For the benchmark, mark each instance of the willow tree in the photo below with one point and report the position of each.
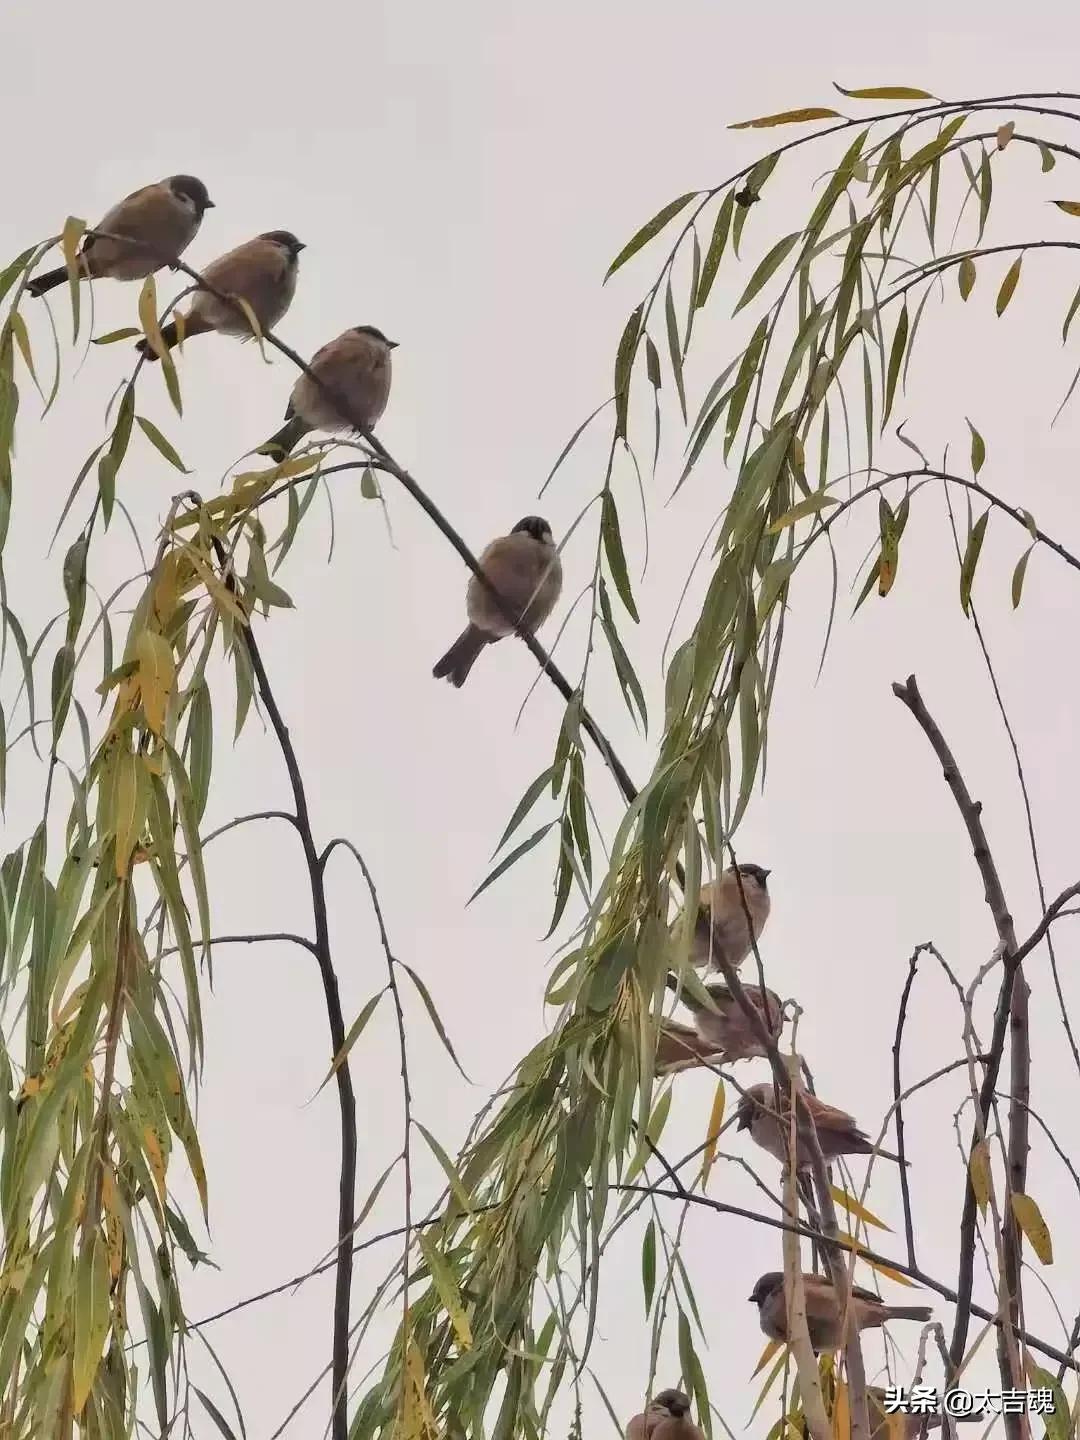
(106, 924)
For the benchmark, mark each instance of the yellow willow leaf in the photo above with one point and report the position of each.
(222, 597)
(166, 590)
(716, 1120)
(766, 1355)
(1071, 207)
(852, 1206)
(151, 1144)
(253, 321)
(114, 1224)
(129, 806)
(449, 1294)
(841, 1413)
(1008, 285)
(417, 1418)
(157, 674)
(886, 1270)
(1005, 134)
(770, 1380)
(979, 1170)
(886, 92)
(285, 471)
(148, 316)
(788, 117)
(1029, 1218)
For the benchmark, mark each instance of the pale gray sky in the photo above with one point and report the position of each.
(462, 176)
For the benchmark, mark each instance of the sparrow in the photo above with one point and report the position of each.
(262, 271)
(355, 369)
(722, 1034)
(837, 1132)
(823, 1317)
(164, 218)
(912, 1425)
(667, 1418)
(721, 926)
(524, 567)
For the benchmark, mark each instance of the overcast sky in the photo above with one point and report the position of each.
(462, 175)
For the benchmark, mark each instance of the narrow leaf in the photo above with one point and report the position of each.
(1030, 1219)
(649, 231)
(788, 117)
(1008, 285)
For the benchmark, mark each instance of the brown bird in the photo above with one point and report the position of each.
(722, 927)
(722, 1034)
(837, 1132)
(163, 218)
(355, 369)
(667, 1418)
(823, 1317)
(261, 271)
(524, 567)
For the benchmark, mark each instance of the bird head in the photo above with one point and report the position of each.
(755, 873)
(749, 1102)
(375, 334)
(286, 239)
(538, 528)
(673, 1403)
(188, 187)
(768, 1284)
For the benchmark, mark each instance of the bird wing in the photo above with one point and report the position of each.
(134, 210)
(828, 1117)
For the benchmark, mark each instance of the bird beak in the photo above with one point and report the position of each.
(765, 874)
(391, 344)
(300, 246)
(209, 205)
(744, 1120)
(752, 1299)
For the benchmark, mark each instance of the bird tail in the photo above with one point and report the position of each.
(888, 1155)
(908, 1312)
(42, 284)
(461, 657)
(285, 440)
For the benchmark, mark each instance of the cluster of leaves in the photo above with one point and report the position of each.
(534, 1187)
(102, 964)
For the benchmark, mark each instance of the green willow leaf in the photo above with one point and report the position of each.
(160, 444)
(971, 560)
(715, 253)
(624, 362)
(649, 231)
(896, 355)
(965, 276)
(768, 267)
(1019, 573)
(511, 859)
(356, 1029)
(434, 1016)
(616, 556)
(978, 449)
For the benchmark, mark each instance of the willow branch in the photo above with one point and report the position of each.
(1011, 1012)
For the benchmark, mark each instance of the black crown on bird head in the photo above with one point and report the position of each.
(536, 526)
(755, 872)
(375, 334)
(674, 1402)
(286, 239)
(192, 189)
